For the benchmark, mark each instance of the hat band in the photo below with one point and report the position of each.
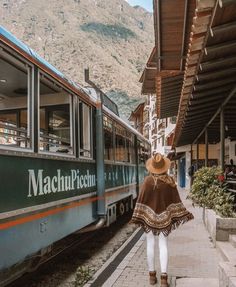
(158, 164)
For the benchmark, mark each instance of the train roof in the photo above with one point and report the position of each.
(11, 38)
(89, 92)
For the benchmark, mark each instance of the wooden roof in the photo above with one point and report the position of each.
(172, 25)
(209, 78)
(172, 31)
(149, 75)
(137, 112)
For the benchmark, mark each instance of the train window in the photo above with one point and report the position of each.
(108, 138)
(15, 112)
(120, 150)
(130, 148)
(146, 151)
(55, 118)
(141, 153)
(85, 128)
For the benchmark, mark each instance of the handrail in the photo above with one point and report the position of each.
(9, 127)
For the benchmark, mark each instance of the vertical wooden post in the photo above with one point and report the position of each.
(197, 156)
(222, 139)
(206, 147)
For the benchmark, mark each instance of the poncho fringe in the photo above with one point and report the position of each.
(175, 222)
(159, 208)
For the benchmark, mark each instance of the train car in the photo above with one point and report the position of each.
(67, 161)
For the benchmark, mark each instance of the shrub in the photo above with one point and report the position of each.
(203, 179)
(219, 199)
(210, 191)
(83, 275)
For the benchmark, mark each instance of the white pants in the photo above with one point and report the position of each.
(163, 251)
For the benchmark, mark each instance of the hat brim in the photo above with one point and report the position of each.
(161, 170)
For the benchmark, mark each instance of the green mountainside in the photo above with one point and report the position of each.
(110, 37)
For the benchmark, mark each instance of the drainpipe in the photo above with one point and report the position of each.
(101, 207)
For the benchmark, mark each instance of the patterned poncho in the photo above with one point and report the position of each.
(159, 207)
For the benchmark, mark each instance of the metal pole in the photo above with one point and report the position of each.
(36, 108)
(206, 147)
(101, 211)
(101, 206)
(222, 139)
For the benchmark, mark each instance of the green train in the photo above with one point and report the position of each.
(67, 161)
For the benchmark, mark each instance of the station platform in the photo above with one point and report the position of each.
(193, 260)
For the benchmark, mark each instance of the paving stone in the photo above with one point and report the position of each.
(227, 251)
(226, 270)
(191, 254)
(232, 282)
(197, 282)
(232, 239)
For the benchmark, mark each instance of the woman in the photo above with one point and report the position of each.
(159, 210)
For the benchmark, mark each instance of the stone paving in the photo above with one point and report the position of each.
(191, 255)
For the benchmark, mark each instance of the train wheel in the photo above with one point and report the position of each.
(121, 208)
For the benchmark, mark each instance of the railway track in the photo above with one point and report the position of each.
(78, 258)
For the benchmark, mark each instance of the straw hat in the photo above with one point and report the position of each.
(158, 164)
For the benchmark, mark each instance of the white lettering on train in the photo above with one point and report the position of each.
(41, 185)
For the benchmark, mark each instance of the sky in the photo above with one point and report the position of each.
(147, 4)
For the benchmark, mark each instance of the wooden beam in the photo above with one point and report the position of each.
(213, 84)
(206, 4)
(222, 139)
(224, 3)
(231, 94)
(183, 34)
(218, 74)
(225, 28)
(203, 105)
(223, 88)
(219, 63)
(225, 47)
(200, 111)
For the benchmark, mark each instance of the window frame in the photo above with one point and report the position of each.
(42, 74)
(91, 157)
(124, 138)
(22, 64)
(113, 138)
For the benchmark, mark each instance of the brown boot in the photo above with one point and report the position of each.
(164, 279)
(152, 277)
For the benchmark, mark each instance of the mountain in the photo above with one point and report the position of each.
(110, 37)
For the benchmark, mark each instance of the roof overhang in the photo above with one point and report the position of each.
(172, 31)
(136, 112)
(168, 89)
(209, 79)
(149, 75)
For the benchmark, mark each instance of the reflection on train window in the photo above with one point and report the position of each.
(130, 147)
(85, 129)
(108, 138)
(121, 153)
(55, 118)
(15, 87)
(141, 153)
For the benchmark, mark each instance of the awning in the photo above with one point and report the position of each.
(210, 75)
(163, 74)
(168, 93)
(149, 75)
